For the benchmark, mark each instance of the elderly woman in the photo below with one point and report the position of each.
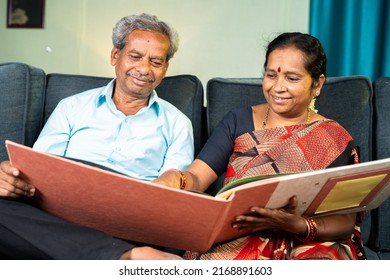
(282, 136)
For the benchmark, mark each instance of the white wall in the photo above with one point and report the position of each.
(218, 38)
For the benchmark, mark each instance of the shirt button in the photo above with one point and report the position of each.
(117, 149)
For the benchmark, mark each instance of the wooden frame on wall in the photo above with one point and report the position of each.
(25, 13)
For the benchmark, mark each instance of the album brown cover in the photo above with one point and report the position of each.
(154, 214)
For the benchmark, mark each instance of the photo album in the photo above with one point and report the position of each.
(135, 210)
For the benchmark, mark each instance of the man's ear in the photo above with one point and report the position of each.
(166, 68)
(114, 55)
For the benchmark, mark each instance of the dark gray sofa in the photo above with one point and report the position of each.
(28, 96)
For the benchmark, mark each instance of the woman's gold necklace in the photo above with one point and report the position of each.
(267, 114)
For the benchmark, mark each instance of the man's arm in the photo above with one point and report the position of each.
(180, 153)
(55, 134)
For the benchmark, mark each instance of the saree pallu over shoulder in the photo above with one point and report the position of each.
(290, 149)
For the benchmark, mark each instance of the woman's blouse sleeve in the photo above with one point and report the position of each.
(219, 146)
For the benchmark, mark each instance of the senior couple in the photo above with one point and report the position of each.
(283, 135)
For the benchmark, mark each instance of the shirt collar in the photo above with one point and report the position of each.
(106, 96)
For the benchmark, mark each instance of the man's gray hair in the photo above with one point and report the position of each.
(143, 22)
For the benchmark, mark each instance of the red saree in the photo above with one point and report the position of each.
(296, 148)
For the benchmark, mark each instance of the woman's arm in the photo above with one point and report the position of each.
(335, 227)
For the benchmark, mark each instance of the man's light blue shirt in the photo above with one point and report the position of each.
(88, 126)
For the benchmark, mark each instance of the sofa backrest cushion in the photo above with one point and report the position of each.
(381, 149)
(186, 93)
(59, 86)
(22, 90)
(183, 91)
(348, 100)
(225, 94)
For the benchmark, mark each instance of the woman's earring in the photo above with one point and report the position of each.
(313, 101)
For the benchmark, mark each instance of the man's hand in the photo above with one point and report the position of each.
(10, 183)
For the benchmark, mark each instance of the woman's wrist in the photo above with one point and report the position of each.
(311, 231)
(182, 178)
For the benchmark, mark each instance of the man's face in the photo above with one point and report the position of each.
(141, 64)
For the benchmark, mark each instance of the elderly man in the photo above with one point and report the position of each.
(123, 126)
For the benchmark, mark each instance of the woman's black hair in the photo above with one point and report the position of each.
(314, 54)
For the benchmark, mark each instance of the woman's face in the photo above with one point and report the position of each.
(287, 85)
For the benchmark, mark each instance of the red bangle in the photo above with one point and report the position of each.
(311, 230)
(183, 180)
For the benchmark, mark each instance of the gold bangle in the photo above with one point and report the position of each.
(311, 230)
(183, 180)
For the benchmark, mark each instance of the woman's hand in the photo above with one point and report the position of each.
(332, 227)
(286, 218)
(11, 185)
